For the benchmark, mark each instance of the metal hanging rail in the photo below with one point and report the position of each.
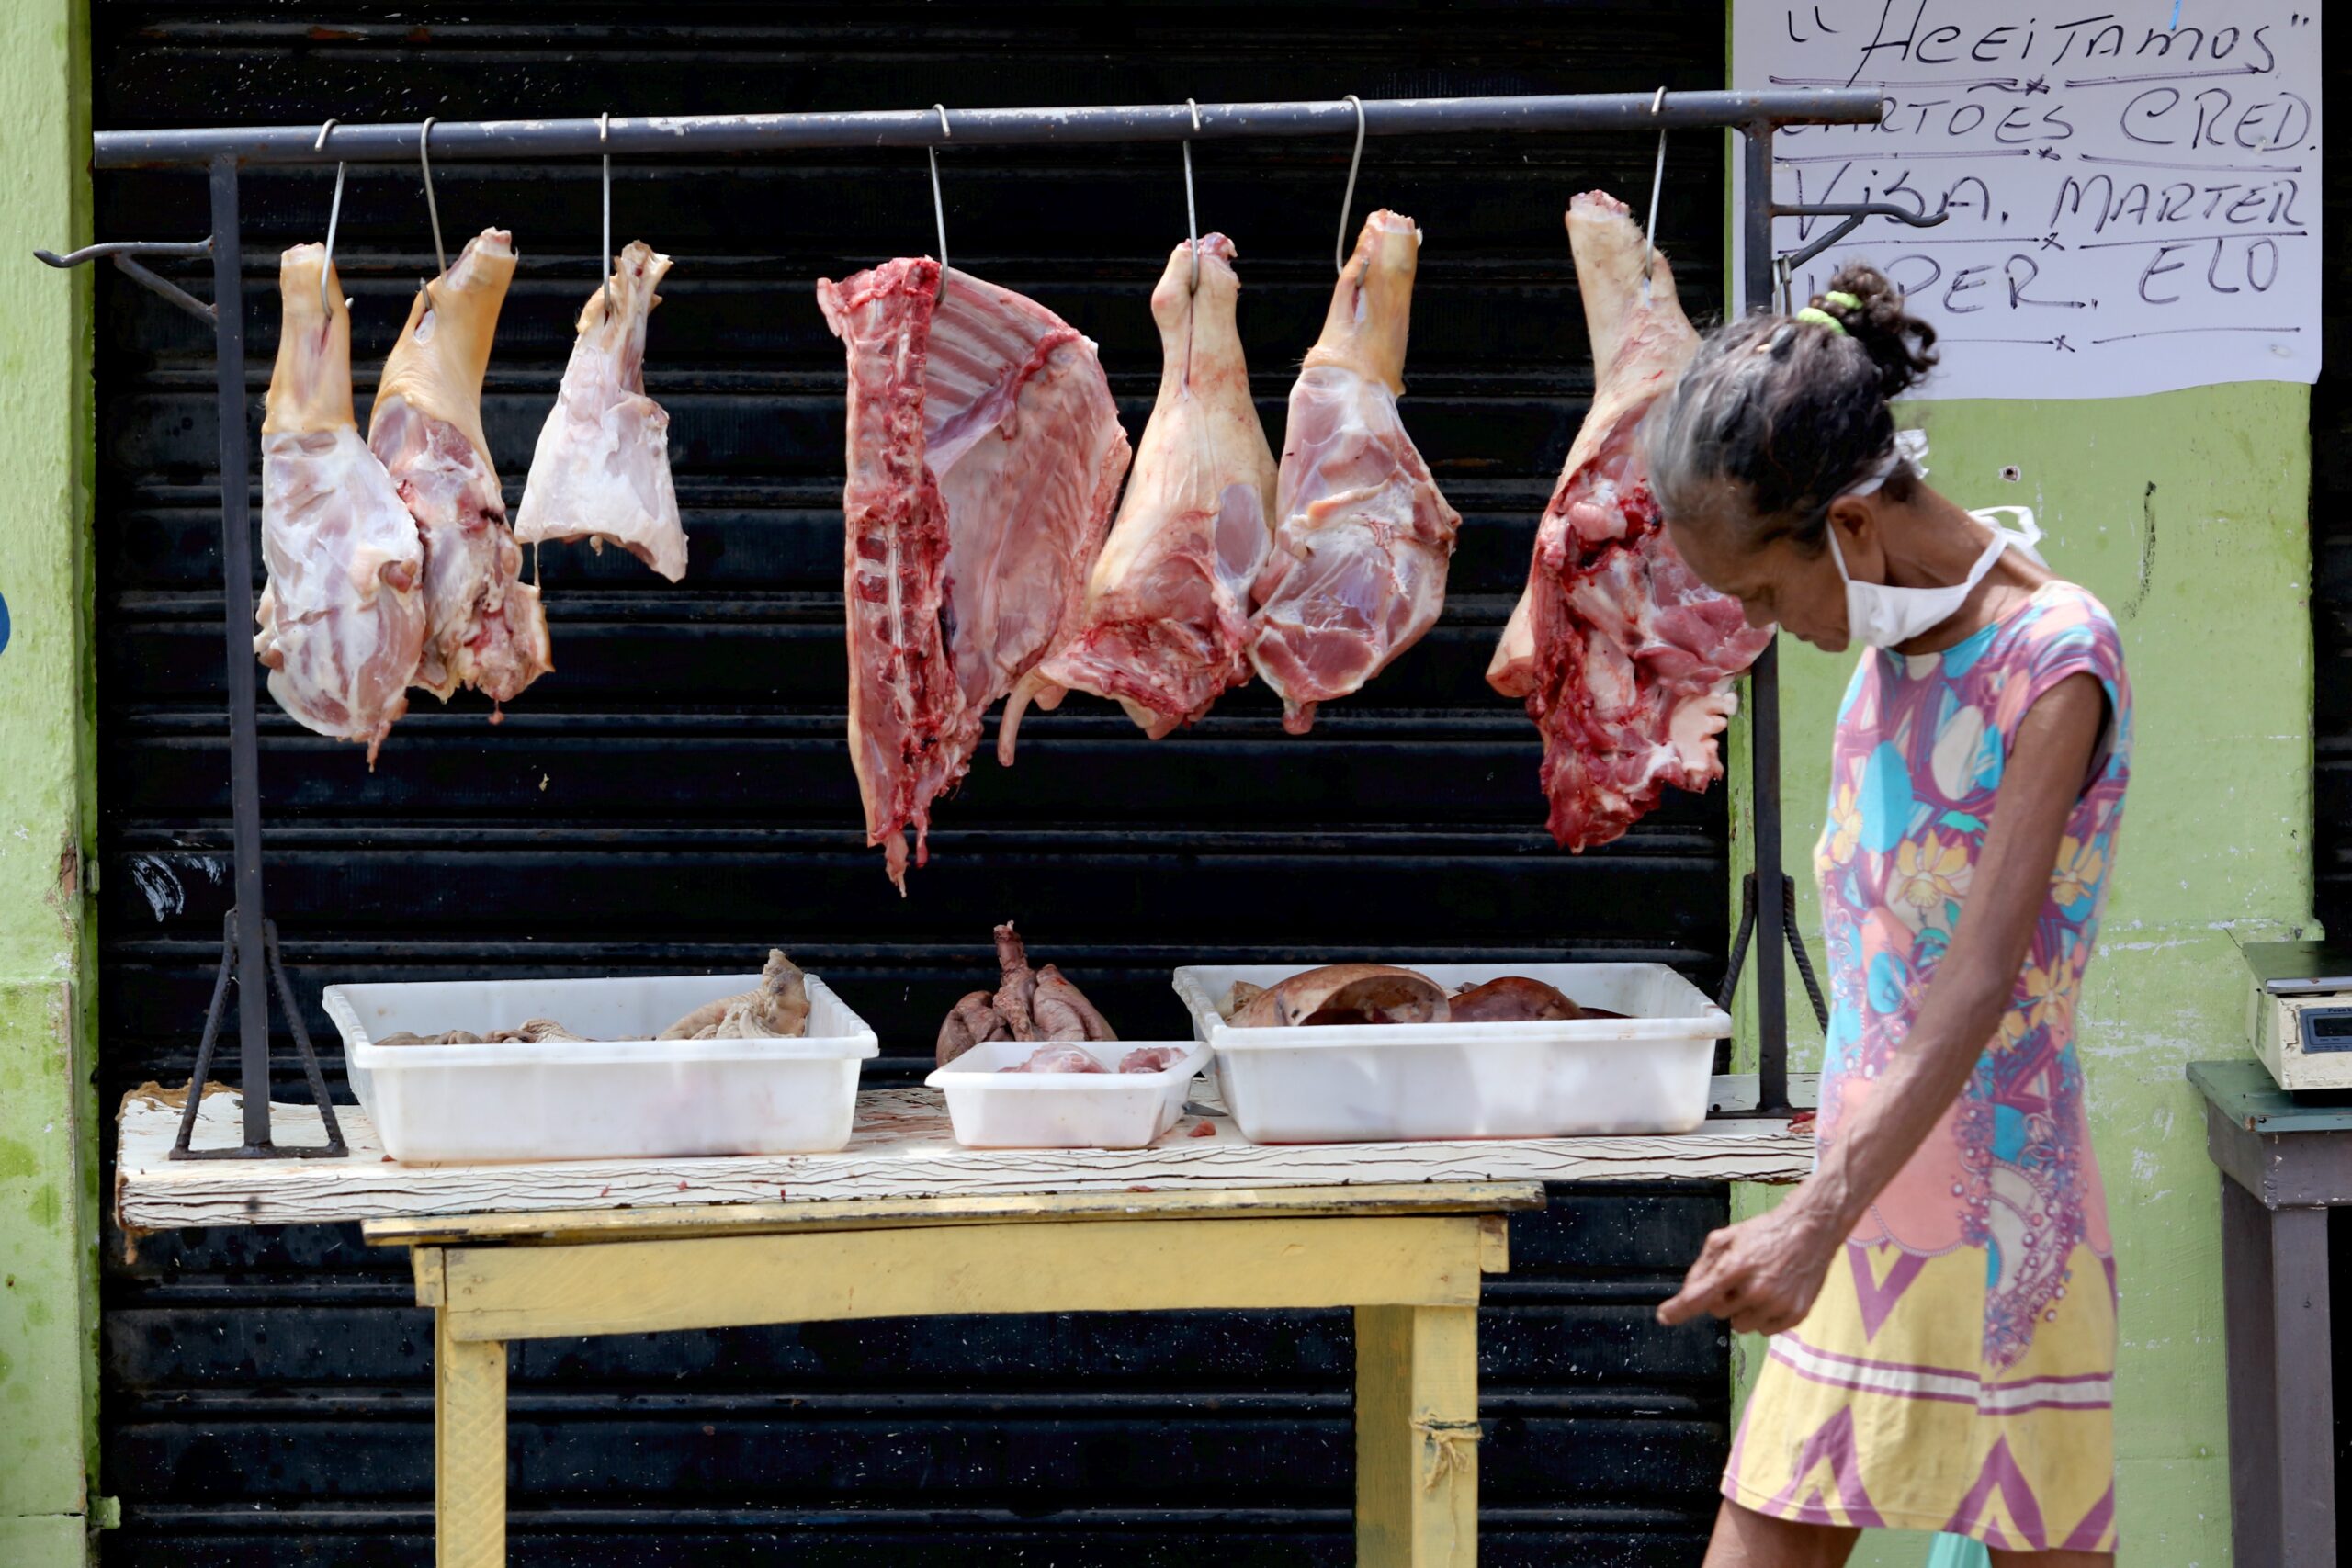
(658, 134)
(250, 949)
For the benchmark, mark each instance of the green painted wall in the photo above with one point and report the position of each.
(48, 1148)
(2188, 514)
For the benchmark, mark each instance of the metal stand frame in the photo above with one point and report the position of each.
(251, 945)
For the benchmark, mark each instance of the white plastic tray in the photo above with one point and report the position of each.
(624, 1094)
(992, 1108)
(1367, 1083)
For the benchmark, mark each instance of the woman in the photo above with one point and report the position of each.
(1941, 1290)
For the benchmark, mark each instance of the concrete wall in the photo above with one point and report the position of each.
(2188, 514)
(48, 1145)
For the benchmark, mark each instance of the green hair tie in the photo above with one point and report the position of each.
(1844, 301)
(1821, 318)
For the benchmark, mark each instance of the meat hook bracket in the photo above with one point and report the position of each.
(1853, 213)
(249, 953)
(1768, 1103)
(334, 1148)
(122, 253)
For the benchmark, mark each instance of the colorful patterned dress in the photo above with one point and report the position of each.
(1956, 1372)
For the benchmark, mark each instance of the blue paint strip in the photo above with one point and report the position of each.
(2175, 16)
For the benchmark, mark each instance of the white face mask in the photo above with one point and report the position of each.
(1880, 615)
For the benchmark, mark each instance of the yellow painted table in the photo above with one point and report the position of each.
(905, 1222)
(1407, 1258)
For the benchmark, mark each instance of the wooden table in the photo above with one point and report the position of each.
(2284, 1164)
(906, 1223)
(1408, 1259)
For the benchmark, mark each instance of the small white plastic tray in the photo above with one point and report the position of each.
(1648, 1072)
(624, 1094)
(992, 1108)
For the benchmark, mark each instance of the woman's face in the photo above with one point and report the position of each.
(1777, 582)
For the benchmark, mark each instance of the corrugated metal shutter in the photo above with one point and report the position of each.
(677, 797)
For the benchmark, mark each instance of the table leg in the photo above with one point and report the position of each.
(2282, 1455)
(1417, 1437)
(468, 1450)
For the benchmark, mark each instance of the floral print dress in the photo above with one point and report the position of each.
(1956, 1372)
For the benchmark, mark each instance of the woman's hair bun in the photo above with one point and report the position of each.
(1901, 345)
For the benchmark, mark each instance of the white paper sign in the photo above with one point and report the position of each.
(2133, 191)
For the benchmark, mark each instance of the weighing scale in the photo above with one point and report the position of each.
(2301, 1021)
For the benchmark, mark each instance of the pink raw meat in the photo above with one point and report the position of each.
(1151, 1058)
(1625, 656)
(486, 627)
(1357, 572)
(984, 454)
(342, 622)
(1166, 625)
(1057, 1059)
(601, 468)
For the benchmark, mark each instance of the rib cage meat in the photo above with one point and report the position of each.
(1358, 569)
(342, 622)
(485, 628)
(1625, 656)
(1166, 623)
(984, 453)
(601, 468)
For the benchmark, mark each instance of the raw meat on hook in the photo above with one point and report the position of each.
(1625, 656)
(601, 468)
(1166, 624)
(484, 625)
(342, 622)
(1363, 537)
(984, 453)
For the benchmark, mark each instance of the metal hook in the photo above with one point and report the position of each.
(335, 212)
(1192, 218)
(121, 253)
(425, 158)
(604, 135)
(1657, 187)
(1340, 248)
(938, 205)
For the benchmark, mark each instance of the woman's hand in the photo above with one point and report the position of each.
(1762, 1273)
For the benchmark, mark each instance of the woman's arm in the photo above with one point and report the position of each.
(1764, 1273)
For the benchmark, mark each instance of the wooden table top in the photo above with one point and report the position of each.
(2244, 1091)
(1382, 1201)
(903, 1149)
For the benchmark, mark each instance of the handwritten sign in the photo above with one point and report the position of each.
(2132, 195)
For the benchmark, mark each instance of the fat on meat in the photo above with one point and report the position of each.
(1166, 623)
(1625, 659)
(984, 453)
(601, 468)
(484, 625)
(1357, 571)
(341, 624)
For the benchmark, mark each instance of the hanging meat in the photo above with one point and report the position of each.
(984, 454)
(484, 625)
(342, 622)
(1357, 572)
(602, 469)
(1625, 656)
(1166, 625)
